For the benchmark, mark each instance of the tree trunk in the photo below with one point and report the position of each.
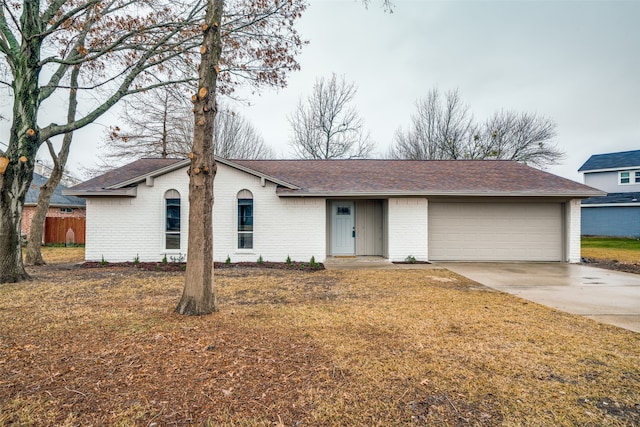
(15, 180)
(33, 254)
(198, 297)
(23, 146)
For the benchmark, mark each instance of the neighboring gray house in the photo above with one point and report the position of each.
(617, 213)
(444, 210)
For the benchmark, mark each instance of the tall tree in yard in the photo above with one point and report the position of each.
(124, 47)
(129, 47)
(33, 254)
(198, 296)
(274, 50)
(259, 39)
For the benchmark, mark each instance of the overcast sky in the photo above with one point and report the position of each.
(576, 62)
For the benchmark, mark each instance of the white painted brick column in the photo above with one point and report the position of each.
(407, 228)
(572, 221)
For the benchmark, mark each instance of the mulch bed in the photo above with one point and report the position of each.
(181, 266)
(305, 266)
(410, 262)
(610, 264)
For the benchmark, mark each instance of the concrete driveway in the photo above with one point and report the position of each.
(603, 295)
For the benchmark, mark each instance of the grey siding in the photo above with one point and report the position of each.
(619, 221)
(608, 181)
(369, 228)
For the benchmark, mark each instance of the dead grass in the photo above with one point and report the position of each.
(624, 250)
(353, 348)
(629, 256)
(56, 255)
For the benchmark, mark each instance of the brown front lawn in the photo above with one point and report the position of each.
(289, 348)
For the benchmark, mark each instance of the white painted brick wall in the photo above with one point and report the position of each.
(282, 226)
(572, 221)
(407, 225)
(119, 229)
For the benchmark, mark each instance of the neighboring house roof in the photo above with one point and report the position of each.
(615, 199)
(58, 200)
(364, 178)
(612, 161)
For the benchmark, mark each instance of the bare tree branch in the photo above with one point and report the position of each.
(326, 125)
(447, 131)
(158, 123)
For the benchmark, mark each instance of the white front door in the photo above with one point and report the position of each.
(343, 238)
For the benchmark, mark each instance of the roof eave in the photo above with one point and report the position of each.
(606, 205)
(616, 169)
(152, 174)
(58, 205)
(256, 173)
(120, 192)
(564, 194)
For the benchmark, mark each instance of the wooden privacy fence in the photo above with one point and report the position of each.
(56, 230)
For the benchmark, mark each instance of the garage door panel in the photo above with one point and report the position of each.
(495, 231)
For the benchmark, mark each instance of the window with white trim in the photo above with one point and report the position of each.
(172, 220)
(625, 177)
(245, 219)
(629, 177)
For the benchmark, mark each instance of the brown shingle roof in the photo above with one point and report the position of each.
(125, 173)
(374, 177)
(433, 177)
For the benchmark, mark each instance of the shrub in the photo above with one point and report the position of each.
(260, 260)
(288, 261)
(103, 262)
(164, 259)
(228, 260)
(410, 259)
(136, 260)
(178, 258)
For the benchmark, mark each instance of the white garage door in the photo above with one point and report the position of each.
(495, 231)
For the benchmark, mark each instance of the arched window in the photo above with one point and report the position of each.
(245, 219)
(172, 219)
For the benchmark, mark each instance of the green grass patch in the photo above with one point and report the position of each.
(610, 243)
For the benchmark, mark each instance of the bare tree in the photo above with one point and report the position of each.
(326, 125)
(266, 38)
(438, 130)
(198, 296)
(446, 130)
(158, 123)
(524, 137)
(124, 48)
(236, 138)
(33, 255)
